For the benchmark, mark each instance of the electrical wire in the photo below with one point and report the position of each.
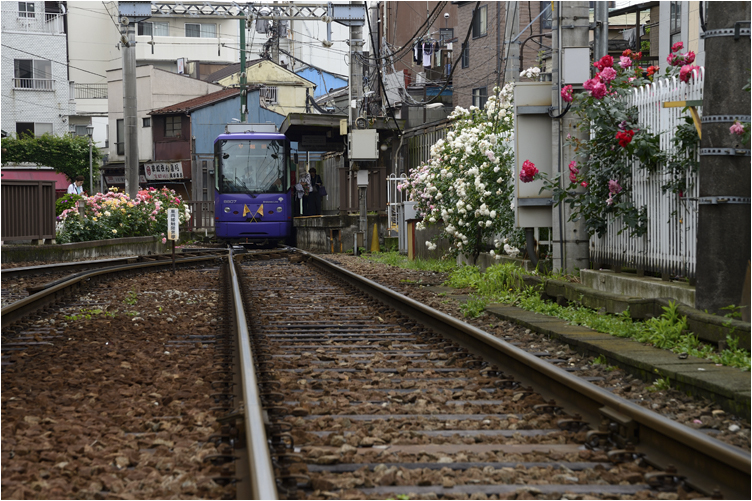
(378, 69)
(408, 45)
(52, 60)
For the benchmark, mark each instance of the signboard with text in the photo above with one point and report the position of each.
(173, 224)
(163, 171)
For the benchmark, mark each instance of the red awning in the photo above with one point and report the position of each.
(61, 182)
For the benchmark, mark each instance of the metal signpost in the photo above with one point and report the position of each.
(173, 231)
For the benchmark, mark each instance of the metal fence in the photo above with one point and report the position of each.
(28, 210)
(202, 215)
(670, 243)
(38, 22)
(91, 91)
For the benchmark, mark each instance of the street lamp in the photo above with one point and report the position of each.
(90, 132)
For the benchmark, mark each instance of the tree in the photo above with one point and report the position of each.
(66, 154)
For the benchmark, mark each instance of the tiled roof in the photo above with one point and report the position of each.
(196, 102)
(227, 71)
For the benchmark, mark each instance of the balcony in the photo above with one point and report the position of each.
(46, 84)
(31, 22)
(90, 91)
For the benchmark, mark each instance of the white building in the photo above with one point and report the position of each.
(35, 85)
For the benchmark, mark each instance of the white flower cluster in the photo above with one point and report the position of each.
(532, 73)
(467, 183)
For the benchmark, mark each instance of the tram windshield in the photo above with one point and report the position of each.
(252, 166)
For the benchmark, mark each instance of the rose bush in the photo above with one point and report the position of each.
(467, 183)
(116, 215)
(616, 141)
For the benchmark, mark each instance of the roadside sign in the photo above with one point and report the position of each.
(173, 224)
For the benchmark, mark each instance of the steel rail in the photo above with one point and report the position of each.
(28, 305)
(260, 477)
(706, 463)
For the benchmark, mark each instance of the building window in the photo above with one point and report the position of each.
(25, 9)
(200, 30)
(147, 122)
(80, 130)
(33, 129)
(446, 33)
(480, 22)
(546, 19)
(675, 22)
(480, 96)
(269, 94)
(151, 28)
(120, 138)
(465, 55)
(173, 126)
(32, 74)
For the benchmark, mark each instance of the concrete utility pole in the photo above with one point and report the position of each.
(130, 107)
(511, 48)
(356, 95)
(243, 77)
(600, 35)
(723, 233)
(570, 239)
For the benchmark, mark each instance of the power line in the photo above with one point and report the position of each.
(53, 61)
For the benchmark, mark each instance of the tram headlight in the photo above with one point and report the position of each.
(227, 210)
(279, 209)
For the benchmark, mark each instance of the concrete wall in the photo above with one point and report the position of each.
(327, 234)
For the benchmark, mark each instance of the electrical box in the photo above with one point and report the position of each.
(575, 65)
(364, 145)
(532, 141)
(135, 11)
(363, 178)
(411, 212)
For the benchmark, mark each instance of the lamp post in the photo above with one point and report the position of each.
(90, 132)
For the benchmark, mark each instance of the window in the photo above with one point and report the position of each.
(33, 129)
(465, 55)
(25, 9)
(480, 96)
(173, 126)
(480, 22)
(269, 94)
(546, 20)
(675, 22)
(151, 28)
(120, 139)
(80, 130)
(147, 122)
(32, 74)
(200, 30)
(446, 33)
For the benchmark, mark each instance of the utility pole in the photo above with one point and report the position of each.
(275, 41)
(130, 107)
(570, 238)
(243, 77)
(723, 232)
(512, 49)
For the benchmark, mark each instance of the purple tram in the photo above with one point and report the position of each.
(253, 200)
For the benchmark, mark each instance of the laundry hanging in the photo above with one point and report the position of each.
(427, 53)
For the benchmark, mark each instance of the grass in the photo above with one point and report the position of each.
(394, 258)
(503, 283)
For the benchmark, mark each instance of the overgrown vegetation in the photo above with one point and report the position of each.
(502, 283)
(394, 258)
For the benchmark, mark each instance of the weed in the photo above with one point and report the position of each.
(474, 307)
(661, 384)
(88, 314)
(393, 258)
(131, 297)
(733, 311)
(600, 360)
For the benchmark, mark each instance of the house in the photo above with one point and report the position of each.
(156, 89)
(282, 90)
(324, 80)
(184, 133)
(36, 91)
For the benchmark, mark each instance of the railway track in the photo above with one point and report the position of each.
(371, 395)
(349, 390)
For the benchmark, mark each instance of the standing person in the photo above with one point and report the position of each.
(315, 198)
(304, 181)
(76, 187)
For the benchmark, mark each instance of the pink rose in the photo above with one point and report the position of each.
(686, 72)
(614, 187)
(607, 75)
(625, 62)
(677, 47)
(572, 177)
(737, 129)
(566, 93)
(589, 84)
(164, 240)
(528, 171)
(599, 91)
(573, 167)
(584, 184)
(689, 57)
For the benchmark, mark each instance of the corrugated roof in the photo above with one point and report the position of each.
(196, 102)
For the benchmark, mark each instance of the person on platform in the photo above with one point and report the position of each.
(314, 199)
(76, 187)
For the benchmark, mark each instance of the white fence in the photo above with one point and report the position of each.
(670, 243)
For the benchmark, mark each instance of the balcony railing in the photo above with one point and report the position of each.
(91, 91)
(38, 22)
(34, 83)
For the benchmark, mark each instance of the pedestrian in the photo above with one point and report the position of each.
(315, 197)
(303, 189)
(76, 187)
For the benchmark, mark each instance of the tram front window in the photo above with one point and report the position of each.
(253, 166)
